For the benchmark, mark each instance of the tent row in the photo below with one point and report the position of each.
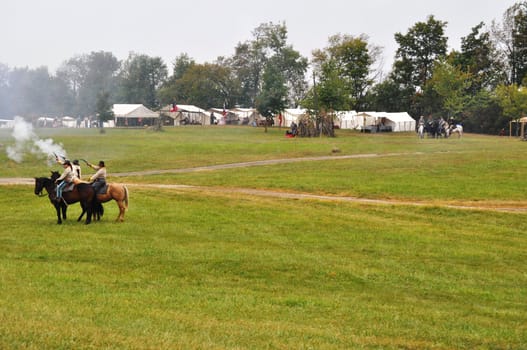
(189, 114)
(137, 115)
(363, 121)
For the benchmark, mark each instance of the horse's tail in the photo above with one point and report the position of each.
(99, 209)
(125, 196)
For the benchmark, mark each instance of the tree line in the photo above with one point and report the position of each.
(482, 84)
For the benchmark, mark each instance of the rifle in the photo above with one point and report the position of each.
(59, 156)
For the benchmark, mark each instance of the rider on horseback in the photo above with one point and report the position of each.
(77, 168)
(67, 177)
(98, 179)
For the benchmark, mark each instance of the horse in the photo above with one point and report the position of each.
(457, 128)
(442, 129)
(432, 128)
(421, 131)
(82, 193)
(117, 192)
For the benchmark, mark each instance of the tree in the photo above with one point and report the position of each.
(478, 57)
(205, 85)
(249, 63)
(418, 49)
(452, 85)
(345, 71)
(29, 91)
(484, 114)
(389, 96)
(99, 70)
(103, 109)
(71, 73)
(511, 38)
(181, 64)
(169, 92)
(513, 100)
(140, 78)
(273, 97)
(293, 68)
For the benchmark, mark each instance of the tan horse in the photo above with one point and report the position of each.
(119, 193)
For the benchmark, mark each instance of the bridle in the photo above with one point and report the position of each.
(41, 187)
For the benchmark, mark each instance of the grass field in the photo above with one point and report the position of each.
(214, 268)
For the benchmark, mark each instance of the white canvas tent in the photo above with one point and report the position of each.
(383, 121)
(293, 115)
(133, 115)
(400, 121)
(69, 122)
(368, 121)
(247, 116)
(348, 120)
(7, 123)
(236, 116)
(186, 114)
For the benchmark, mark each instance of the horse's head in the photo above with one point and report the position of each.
(39, 185)
(42, 183)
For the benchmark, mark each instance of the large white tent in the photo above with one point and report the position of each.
(293, 115)
(246, 116)
(348, 120)
(133, 115)
(400, 121)
(383, 121)
(7, 123)
(186, 114)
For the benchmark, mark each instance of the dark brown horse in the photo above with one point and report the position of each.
(82, 193)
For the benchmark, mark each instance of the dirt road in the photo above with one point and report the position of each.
(493, 206)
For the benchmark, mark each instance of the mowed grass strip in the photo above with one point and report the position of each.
(223, 270)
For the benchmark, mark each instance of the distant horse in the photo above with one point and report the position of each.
(457, 128)
(443, 129)
(421, 131)
(82, 193)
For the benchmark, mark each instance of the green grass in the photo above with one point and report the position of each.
(196, 269)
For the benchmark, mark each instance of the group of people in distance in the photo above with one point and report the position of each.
(72, 174)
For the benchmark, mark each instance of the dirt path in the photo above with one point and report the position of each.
(492, 206)
(259, 163)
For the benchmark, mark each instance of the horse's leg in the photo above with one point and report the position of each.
(123, 203)
(96, 211)
(82, 214)
(122, 208)
(64, 208)
(88, 207)
(57, 208)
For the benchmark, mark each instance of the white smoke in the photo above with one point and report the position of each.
(27, 142)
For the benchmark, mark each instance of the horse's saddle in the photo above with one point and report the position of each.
(68, 187)
(103, 189)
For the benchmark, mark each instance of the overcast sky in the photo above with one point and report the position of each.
(37, 33)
